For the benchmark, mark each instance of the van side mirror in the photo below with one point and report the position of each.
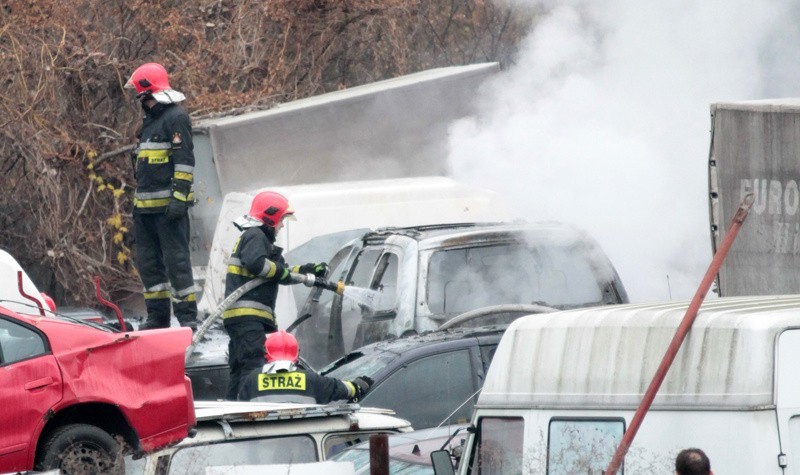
(442, 464)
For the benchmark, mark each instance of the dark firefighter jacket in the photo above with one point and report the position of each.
(164, 167)
(295, 385)
(255, 255)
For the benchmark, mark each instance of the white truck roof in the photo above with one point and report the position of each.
(605, 357)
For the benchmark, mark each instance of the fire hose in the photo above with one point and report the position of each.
(309, 280)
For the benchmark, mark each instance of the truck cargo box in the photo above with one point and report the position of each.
(755, 147)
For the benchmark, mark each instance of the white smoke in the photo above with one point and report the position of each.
(603, 122)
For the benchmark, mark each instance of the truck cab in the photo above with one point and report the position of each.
(401, 281)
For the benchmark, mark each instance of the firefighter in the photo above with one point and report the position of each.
(281, 380)
(163, 167)
(255, 254)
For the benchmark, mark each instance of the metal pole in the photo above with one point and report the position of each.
(122, 327)
(680, 335)
(378, 454)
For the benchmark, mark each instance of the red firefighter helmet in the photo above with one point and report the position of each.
(152, 79)
(282, 346)
(270, 208)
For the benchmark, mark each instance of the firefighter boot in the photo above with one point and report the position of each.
(158, 312)
(155, 323)
(186, 313)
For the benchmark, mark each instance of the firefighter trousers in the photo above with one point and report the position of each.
(163, 261)
(245, 351)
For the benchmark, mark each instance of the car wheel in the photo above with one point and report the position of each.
(81, 448)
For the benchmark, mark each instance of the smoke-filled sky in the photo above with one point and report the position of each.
(604, 122)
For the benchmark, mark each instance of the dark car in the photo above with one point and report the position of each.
(428, 379)
(209, 372)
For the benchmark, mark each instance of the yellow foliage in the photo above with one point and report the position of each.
(118, 238)
(122, 258)
(115, 221)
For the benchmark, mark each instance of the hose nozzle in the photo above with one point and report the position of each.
(310, 281)
(337, 287)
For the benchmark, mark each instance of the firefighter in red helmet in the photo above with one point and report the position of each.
(255, 255)
(282, 380)
(163, 165)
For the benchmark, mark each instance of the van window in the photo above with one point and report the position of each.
(276, 450)
(499, 447)
(351, 309)
(335, 444)
(557, 276)
(385, 283)
(582, 445)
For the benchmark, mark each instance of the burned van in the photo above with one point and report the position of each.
(401, 281)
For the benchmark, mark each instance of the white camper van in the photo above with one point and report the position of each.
(327, 208)
(563, 387)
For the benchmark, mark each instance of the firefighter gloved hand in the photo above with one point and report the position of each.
(175, 209)
(319, 270)
(362, 384)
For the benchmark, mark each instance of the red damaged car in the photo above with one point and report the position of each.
(75, 395)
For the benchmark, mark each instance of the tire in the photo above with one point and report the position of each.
(81, 449)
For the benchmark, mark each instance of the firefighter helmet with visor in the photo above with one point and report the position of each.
(151, 79)
(271, 208)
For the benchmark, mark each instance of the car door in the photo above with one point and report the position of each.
(30, 384)
(318, 327)
(430, 389)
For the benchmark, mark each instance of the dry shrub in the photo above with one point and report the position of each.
(66, 122)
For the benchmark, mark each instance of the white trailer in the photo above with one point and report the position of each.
(563, 387)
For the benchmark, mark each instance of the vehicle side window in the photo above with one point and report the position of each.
(385, 283)
(336, 443)
(442, 381)
(499, 447)
(276, 450)
(363, 267)
(314, 333)
(582, 445)
(351, 310)
(487, 353)
(19, 343)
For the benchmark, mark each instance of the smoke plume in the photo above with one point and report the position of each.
(603, 122)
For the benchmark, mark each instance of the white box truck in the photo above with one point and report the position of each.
(563, 387)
